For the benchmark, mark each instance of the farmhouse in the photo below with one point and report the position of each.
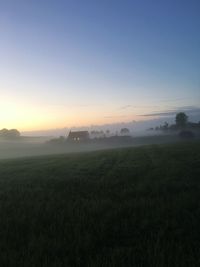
(78, 136)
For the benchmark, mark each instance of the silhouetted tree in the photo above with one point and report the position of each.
(13, 133)
(181, 120)
(4, 132)
(107, 132)
(97, 134)
(166, 126)
(124, 131)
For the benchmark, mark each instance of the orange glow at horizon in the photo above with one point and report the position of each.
(30, 118)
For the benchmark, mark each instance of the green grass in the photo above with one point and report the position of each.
(123, 207)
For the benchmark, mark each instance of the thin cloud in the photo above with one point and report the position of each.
(137, 106)
(169, 113)
(125, 107)
(173, 100)
(172, 112)
(111, 117)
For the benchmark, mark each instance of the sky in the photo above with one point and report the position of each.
(67, 63)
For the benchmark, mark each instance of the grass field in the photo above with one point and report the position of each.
(123, 207)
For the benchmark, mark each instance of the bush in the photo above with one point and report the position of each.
(186, 134)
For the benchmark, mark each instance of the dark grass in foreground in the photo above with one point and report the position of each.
(125, 207)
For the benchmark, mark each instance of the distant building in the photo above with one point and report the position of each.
(78, 136)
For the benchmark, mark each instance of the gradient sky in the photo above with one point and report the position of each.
(68, 63)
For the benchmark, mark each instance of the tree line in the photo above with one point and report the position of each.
(181, 123)
(9, 134)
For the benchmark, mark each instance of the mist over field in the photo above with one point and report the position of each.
(14, 145)
(16, 149)
(36, 146)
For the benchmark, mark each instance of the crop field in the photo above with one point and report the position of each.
(126, 207)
